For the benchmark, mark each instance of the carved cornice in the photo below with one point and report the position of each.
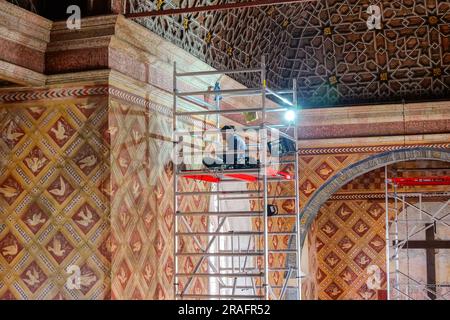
(24, 37)
(24, 27)
(20, 75)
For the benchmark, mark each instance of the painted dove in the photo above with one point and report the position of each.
(56, 248)
(136, 136)
(9, 192)
(148, 218)
(86, 218)
(148, 272)
(327, 229)
(36, 220)
(11, 250)
(88, 106)
(347, 277)
(324, 171)
(87, 162)
(33, 277)
(124, 218)
(35, 163)
(332, 261)
(108, 191)
(136, 189)
(112, 131)
(11, 135)
(366, 295)
(35, 109)
(376, 212)
(363, 260)
(361, 228)
(122, 276)
(377, 243)
(346, 245)
(110, 246)
(123, 163)
(60, 133)
(88, 279)
(309, 188)
(137, 246)
(62, 188)
(335, 291)
(344, 212)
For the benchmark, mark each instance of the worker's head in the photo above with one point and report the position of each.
(227, 131)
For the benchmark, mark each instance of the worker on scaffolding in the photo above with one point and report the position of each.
(236, 147)
(235, 151)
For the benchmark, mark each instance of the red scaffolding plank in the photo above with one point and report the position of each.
(239, 176)
(422, 181)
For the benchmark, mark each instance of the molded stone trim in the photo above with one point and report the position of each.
(326, 191)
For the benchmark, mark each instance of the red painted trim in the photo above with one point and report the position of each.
(422, 181)
(244, 177)
(203, 177)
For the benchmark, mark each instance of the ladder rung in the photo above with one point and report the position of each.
(282, 251)
(217, 172)
(196, 193)
(258, 197)
(224, 214)
(223, 234)
(256, 286)
(251, 194)
(235, 214)
(226, 111)
(282, 233)
(220, 275)
(214, 72)
(252, 269)
(233, 233)
(217, 296)
(283, 162)
(220, 254)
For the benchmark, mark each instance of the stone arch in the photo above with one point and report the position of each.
(359, 168)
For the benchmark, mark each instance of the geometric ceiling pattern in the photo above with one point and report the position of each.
(325, 45)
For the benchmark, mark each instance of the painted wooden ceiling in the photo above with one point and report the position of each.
(325, 45)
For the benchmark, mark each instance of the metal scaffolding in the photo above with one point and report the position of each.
(412, 220)
(233, 255)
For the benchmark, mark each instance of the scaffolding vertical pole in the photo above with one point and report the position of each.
(407, 243)
(264, 169)
(388, 257)
(297, 196)
(175, 186)
(396, 241)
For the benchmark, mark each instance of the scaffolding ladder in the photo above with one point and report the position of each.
(407, 218)
(236, 257)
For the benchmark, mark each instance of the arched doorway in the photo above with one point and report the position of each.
(326, 201)
(311, 209)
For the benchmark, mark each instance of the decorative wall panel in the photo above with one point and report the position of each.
(350, 239)
(86, 180)
(53, 213)
(142, 206)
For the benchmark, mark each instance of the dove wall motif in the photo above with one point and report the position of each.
(65, 193)
(51, 191)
